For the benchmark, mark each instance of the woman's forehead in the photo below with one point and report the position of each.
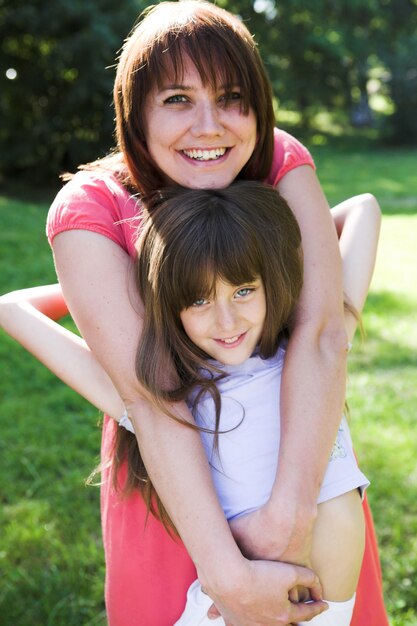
(180, 70)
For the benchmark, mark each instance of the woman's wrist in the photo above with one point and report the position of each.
(223, 572)
(294, 500)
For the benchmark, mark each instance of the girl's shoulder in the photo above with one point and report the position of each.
(289, 153)
(98, 202)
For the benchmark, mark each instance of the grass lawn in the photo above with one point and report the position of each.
(51, 562)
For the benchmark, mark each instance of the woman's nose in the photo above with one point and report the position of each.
(207, 120)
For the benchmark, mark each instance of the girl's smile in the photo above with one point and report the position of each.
(198, 136)
(227, 325)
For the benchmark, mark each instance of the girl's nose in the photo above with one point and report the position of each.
(207, 120)
(225, 317)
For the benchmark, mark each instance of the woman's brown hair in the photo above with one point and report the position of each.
(190, 239)
(224, 53)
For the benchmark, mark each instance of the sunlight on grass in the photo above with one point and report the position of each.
(396, 268)
(383, 400)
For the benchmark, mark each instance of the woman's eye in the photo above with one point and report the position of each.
(231, 97)
(177, 98)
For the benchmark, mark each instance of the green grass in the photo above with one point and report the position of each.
(51, 562)
(383, 400)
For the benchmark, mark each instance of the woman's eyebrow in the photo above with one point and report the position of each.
(175, 86)
(181, 87)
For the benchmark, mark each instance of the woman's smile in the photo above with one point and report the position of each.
(205, 155)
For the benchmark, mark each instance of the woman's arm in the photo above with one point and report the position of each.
(313, 384)
(27, 315)
(96, 277)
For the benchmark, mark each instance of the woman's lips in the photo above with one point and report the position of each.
(205, 155)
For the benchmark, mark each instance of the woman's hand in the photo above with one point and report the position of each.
(263, 534)
(260, 596)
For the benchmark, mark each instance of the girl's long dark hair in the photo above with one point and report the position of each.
(190, 239)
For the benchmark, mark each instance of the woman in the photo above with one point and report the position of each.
(194, 107)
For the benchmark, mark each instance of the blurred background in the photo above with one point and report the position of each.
(344, 74)
(334, 64)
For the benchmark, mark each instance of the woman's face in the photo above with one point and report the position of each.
(198, 137)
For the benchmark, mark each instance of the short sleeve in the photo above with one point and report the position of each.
(289, 153)
(97, 203)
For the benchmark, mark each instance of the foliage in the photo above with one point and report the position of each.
(322, 54)
(57, 111)
(403, 88)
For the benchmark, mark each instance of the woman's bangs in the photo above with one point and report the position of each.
(218, 64)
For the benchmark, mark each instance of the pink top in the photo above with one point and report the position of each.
(96, 201)
(147, 572)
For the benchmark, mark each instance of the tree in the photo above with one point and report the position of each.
(319, 54)
(57, 110)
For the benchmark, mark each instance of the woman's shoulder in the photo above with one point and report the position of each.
(289, 153)
(93, 200)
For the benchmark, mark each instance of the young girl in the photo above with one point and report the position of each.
(224, 270)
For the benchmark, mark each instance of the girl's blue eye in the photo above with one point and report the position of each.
(245, 291)
(200, 302)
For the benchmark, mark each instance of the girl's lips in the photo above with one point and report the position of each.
(231, 342)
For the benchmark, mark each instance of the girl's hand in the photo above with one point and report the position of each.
(261, 597)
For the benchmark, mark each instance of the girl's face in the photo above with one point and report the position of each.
(229, 324)
(198, 137)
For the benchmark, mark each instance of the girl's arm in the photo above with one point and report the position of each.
(27, 315)
(96, 277)
(358, 222)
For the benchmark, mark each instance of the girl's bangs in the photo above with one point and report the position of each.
(228, 256)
